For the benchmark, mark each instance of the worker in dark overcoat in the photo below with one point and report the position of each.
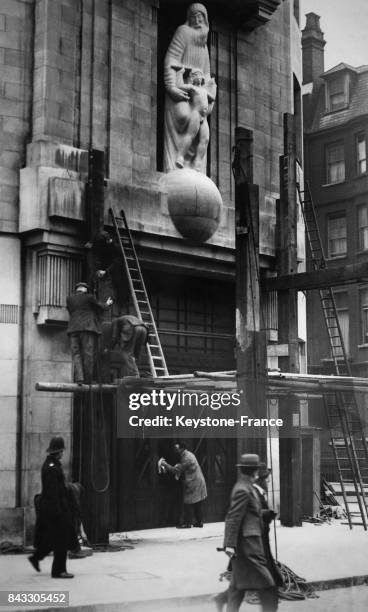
(129, 334)
(83, 330)
(108, 262)
(54, 528)
(268, 515)
(243, 541)
(194, 485)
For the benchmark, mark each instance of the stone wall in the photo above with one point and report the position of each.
(15, 95)
(73, 78)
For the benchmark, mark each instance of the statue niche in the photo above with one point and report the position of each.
(190, 94)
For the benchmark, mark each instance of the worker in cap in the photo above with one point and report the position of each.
(84, 329)
(243, 541)
(54, 530)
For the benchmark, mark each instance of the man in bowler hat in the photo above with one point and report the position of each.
(84, 329)
(54, 529)
(243, 541)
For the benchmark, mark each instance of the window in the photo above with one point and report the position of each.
(336, 236)
(335, 161)
(361, 154)
(342, 309)
(336, 93)
(364, 314)
(363, 227)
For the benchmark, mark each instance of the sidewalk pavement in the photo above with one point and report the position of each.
(168, 568)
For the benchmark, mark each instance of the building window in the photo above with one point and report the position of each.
(364, 314)
(342, 309)
(337, 90)
(363, 227)
(361, 153)
(335, 161)
(336, 236)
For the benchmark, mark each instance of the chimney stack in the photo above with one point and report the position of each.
(313, 43)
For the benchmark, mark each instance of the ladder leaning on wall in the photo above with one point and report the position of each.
(139, 294)
(348, 442)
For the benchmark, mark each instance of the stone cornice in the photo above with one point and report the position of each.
(248, 14)
(253, 13)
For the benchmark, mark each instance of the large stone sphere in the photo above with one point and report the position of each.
(194, 204)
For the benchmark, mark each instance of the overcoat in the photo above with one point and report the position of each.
(54, 520)
(84, 313)
(268, 517)
(194, 484)
(244, 532)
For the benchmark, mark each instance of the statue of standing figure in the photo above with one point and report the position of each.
(190, 93)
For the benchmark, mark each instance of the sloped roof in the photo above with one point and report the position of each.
(341, 66)
(358, 104)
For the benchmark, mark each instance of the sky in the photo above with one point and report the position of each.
(345, 26)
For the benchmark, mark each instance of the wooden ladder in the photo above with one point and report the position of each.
(139, 294)
(349, 445)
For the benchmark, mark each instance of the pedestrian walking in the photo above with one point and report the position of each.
(54, 529)
(243, 541)
(268, 515)
(194, 486)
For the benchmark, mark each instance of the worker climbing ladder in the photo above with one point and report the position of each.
(139, 294)
(348, 440)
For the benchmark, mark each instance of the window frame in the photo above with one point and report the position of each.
(362, 227)
(363, 315)
(364, 159)
(330, 218)
(340, 310)
(329, 163)
(337, 85)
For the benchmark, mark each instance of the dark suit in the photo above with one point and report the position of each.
(130, 334)
(108, 256)
(54, 531)
(83, 330)
(244, 531)
(268, 516)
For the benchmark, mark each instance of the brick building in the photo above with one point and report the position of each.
(335, 122)
(87, 74)
(335, 137)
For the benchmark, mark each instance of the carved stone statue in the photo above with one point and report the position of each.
(190, 93)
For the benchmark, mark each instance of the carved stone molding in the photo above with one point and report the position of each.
(57, 272)
(253, 13)
(248, 14)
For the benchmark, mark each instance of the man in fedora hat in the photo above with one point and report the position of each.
(84, 329)
(54, 530)
(243, 541)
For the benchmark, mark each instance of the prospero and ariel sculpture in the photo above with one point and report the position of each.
(194, 201)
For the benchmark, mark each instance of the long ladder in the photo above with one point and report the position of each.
(139, 294)
(348, 440)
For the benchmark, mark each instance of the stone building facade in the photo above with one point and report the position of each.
(87, 74)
